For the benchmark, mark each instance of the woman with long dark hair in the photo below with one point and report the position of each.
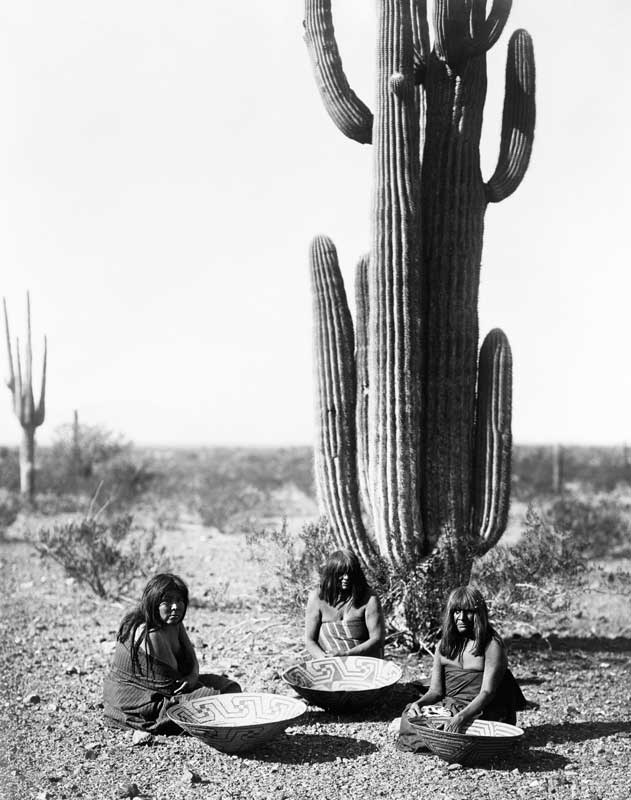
(343, 616)
(470, 675)
(154, 662)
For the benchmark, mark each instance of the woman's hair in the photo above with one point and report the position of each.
(342, 562)
(147, 612)
(452, 643)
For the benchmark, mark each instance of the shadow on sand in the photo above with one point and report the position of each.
(301, 748)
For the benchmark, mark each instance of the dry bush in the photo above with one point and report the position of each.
(599, 525)
(293, 561)
(538, 575)
(103, 553)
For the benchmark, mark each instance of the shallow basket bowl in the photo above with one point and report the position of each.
(482, 740)
(235, 723)
(343, 683)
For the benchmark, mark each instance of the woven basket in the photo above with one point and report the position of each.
(481, 741)
(343, 683)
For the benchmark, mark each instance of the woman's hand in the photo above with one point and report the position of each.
(189, 683)
(455, 724)
(414, 710)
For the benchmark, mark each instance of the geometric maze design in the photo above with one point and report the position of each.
(342, 682)
(236, 722)
(482, 740)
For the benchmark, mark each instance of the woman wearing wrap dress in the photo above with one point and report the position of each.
(343, 616)
(154, 664)
(470, 675)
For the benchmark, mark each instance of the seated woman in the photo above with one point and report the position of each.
(344, 617)
(470, 677)
(154, 663)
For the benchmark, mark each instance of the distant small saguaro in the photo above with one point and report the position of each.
(558, 478)
(30, 415)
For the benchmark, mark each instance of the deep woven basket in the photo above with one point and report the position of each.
(481, 741)
(343, 683)
(237, 722)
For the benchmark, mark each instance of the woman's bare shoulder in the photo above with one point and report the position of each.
(313, 599)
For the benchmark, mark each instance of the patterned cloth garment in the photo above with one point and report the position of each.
(337, 638)
(140, 699)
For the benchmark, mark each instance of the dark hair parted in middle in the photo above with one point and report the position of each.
(343, 562)
(147, 612)
(452, 642)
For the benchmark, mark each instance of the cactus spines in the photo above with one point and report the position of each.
(30, 414)
(494, 439)
(349, 113)
(518, 119)
(336, 466)
(432, 443)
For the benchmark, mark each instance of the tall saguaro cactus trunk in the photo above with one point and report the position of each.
(414, 422)
(30, 415)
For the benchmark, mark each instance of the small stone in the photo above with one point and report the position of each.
(190, 776)
(454, 766)
(43, 795)
(140, 737)
(127, 790)
(395, 726)
(72, 669)
(91, 750)
(31, 699)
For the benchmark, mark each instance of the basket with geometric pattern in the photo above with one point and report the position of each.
(482, 740)
(343, 683)
(236, 722)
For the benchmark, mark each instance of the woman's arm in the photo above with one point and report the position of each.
(313, 619)
(435, 692)
(191, 680)
(495, 662)
(376, 626)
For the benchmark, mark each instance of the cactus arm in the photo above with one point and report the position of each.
(346, 110)
(361, 360)
(10, 381)
(463, 30)
(491, 496)
(518, 119)
(335, 453)
(495, 22)
(18, 389)
(420, 32)
(40, 409)
(28, 403)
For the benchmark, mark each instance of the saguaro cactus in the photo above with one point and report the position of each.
(414, 425)
(29, 414)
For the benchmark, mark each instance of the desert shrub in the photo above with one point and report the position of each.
(293, 561)
(10, 505)
(93, 445)
(237, 486)
(230, 505)
(10, 469)
(525, 581)
(598, 525)
(103, 553)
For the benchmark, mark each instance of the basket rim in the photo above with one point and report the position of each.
(299, 706)
(293, 684)
(420, 722)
